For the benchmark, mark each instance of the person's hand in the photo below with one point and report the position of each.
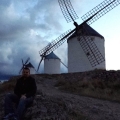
(23, 97)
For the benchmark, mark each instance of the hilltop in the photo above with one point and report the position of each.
(93, 95)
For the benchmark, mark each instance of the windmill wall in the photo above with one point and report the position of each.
(52, 66)
(77, 60)
(32, 70)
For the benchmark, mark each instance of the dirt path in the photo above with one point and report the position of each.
(94, 109)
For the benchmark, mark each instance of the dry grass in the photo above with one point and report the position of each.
(8, 86)
(97, 88)
(105, 86)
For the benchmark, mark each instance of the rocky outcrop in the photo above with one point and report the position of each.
(45, 107)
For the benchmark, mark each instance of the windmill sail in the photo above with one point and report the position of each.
(67, 10)
(24, 64)
(100, 10)
(89, 47)
(56, 43)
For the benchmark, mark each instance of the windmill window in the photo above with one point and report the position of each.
(92, 38)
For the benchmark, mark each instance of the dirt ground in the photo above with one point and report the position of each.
(94, 109)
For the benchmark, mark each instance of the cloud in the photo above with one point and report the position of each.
(27, 26)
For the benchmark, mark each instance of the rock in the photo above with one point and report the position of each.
(43, 108)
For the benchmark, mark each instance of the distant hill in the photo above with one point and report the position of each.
(92, 95)
(5, 77)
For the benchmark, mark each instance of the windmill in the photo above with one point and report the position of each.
(89, 47)
(44, 54)
(24, 64)
(29, 65)
(52, 64)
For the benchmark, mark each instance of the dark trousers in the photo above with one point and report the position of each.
(22, 104)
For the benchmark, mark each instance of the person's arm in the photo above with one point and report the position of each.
(17, 88)
(33, 89)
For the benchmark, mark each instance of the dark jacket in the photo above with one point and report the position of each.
(27, 87)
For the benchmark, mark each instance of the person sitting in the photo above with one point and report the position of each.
(24, 94)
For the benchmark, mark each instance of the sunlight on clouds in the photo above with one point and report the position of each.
(32, 32)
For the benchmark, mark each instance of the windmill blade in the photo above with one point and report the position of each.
(27, 61)
(89, 47)
(67, 10)
(22, 62)
(64, 64)
(22, 66)
(20, 70)
(100, 10)
(39, 63)
(45, 50)
(56, 43)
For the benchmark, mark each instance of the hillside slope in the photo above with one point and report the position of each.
(57, 100)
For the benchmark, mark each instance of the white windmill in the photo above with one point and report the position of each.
(91, 47)
(51, 64)
(77, 59)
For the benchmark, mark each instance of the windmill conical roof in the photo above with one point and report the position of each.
(90, 30)
(51, 56)
(29, 65)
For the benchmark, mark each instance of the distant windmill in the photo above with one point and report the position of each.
(52, 64)
(24, 64)
(29, 65)
(89, 47)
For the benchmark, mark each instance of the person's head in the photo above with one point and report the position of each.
(26, 72)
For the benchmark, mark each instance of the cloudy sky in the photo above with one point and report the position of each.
(27, 26)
